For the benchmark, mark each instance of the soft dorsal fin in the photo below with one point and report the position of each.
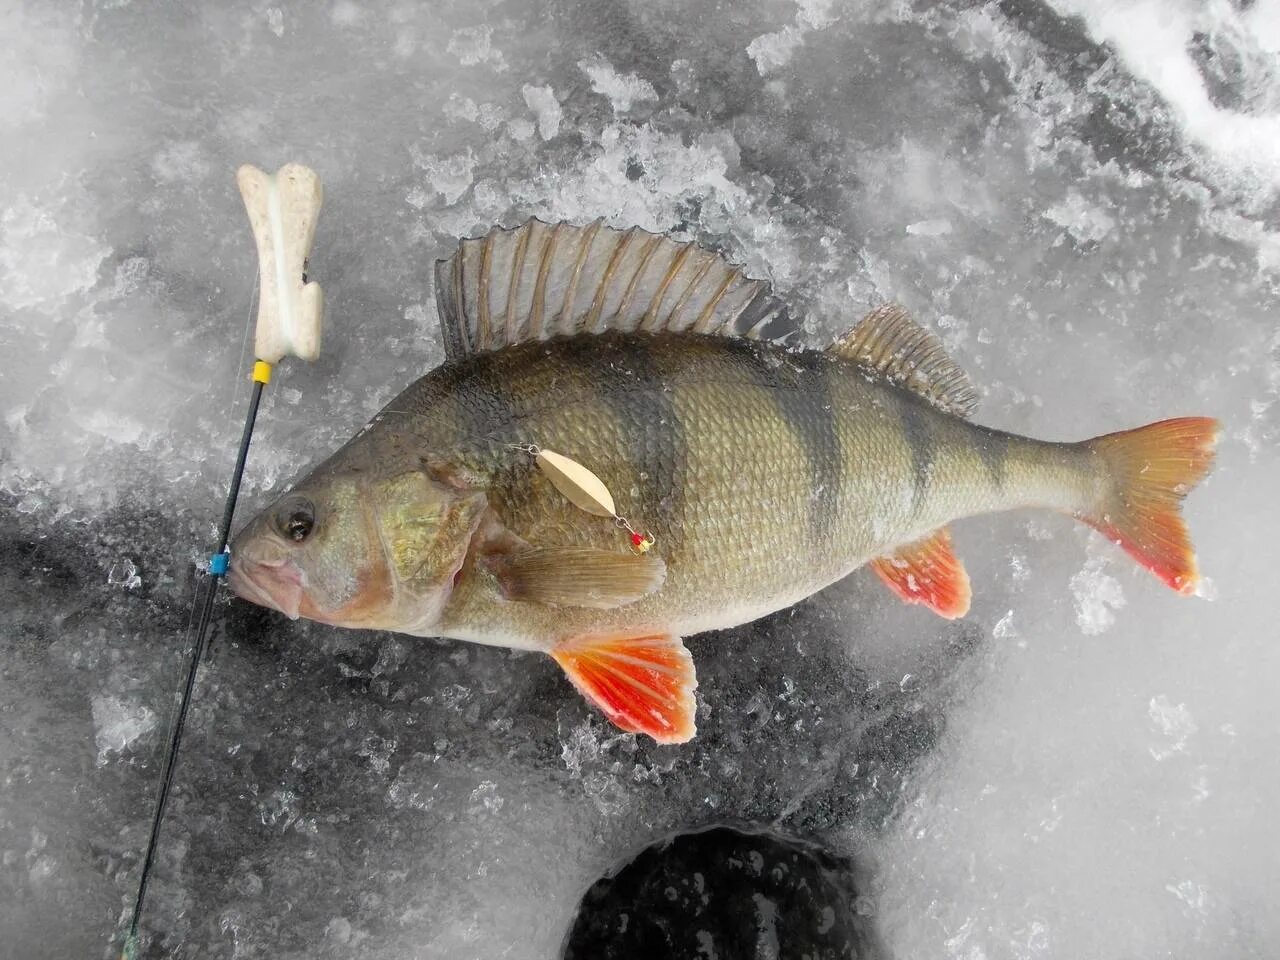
(543, 280)
(889, 343)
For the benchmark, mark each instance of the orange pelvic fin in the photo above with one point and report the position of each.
(1152, 468)
(643, 682)
(927, 572)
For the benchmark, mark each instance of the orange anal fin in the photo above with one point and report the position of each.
(928, 572)
(643, 682)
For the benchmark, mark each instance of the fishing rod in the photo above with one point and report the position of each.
(283, 208)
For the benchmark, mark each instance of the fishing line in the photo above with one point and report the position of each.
(248, 329)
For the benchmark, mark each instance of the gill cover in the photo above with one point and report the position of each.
(425, 520)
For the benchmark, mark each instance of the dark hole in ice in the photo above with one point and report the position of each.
(727, 893)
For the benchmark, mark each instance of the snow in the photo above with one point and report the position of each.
(1155, 39)
(773, 51)
(1080, 198)
(471, 45)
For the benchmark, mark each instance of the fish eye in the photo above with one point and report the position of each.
(300, 525)
(297, 519)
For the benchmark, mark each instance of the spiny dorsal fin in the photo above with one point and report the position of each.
(543, 280)
(889, 343)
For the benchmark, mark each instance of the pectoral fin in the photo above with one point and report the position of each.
(927, 572)
(576, 576)
(643, 681)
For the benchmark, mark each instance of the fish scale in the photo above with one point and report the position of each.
(729, 481)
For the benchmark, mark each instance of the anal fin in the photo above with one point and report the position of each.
(643, 681)
(928, 572)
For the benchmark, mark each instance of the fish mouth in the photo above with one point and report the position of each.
(276, 584)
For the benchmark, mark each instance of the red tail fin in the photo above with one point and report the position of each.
(1152, 468)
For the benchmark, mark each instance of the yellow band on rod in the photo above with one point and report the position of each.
(262, 372)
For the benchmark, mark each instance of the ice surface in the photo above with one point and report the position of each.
(1158, 43)
(1081, 197)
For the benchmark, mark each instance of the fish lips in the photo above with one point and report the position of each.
(275, 584)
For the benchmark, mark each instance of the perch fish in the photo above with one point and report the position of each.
(760, 472)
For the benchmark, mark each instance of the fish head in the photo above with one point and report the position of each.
(313, 553)
(359, 548)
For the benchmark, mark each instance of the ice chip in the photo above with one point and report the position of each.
(546, 108)
(118, 724)
(1174, 723)
(123, 573)
(624, 90)
(1097, 596)
(772, 51)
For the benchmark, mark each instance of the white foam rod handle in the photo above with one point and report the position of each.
(283, 208)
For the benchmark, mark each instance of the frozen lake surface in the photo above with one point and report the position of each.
(1082, 197)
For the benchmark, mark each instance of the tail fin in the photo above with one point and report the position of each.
(1151, 469)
